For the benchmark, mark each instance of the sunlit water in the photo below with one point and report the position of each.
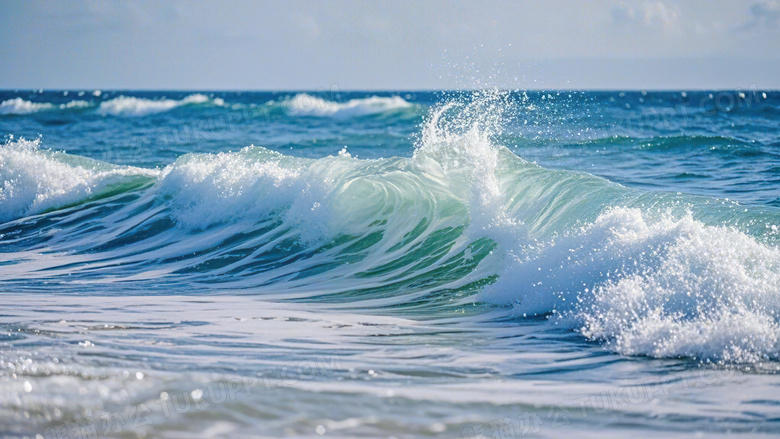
(492, 264)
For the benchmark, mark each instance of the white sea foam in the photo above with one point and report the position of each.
(133, 106)
(21, 106)
(34, 180)
(705, 292)
(210, 189)
(663, 288)
(304, 104)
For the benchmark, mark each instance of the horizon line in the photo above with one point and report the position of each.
(370, 90)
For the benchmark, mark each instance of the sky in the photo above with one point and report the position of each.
(390, 45)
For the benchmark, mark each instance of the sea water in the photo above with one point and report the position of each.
(492, 264)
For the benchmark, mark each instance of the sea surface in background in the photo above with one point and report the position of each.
(492, 264)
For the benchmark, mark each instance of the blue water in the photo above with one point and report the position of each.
(389, 264)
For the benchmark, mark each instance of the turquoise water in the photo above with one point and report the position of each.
(407, 264)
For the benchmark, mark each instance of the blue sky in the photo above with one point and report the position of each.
(303, 44)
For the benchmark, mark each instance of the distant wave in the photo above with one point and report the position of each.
(133, 106)
(21, 106)
(304, 104)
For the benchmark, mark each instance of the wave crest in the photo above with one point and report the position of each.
(35, 180)
(304, 104)
(21, 106)
(133, 106)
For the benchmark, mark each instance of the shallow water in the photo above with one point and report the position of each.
(497, 264)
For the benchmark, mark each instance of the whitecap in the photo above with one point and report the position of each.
(134, 106)
(304, 104)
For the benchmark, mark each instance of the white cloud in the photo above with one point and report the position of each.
(649, 14)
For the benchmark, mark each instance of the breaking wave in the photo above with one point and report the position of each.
(464, 220)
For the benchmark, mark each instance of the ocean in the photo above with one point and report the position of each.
(471, 264)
